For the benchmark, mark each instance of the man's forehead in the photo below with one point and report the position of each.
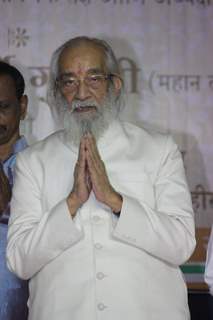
(91, 71)
(7, 85)
(81, 59)
(6, 79)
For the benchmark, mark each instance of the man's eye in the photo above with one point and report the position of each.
(68, 82)
(95, 79)
(4, 106)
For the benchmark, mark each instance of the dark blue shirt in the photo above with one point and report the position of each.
(13, 291)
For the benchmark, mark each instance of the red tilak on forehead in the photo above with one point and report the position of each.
(79, 69)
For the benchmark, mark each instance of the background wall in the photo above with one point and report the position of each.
(165, 52)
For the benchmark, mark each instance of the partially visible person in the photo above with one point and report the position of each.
(13, 106)
(209, 264)
(208, 275)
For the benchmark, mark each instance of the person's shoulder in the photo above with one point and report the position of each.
(155, 145)
(46, 146)
(147, 133)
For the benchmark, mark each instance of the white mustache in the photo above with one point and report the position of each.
(83, 104)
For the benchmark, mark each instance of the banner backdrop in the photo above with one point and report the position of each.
(165, 53)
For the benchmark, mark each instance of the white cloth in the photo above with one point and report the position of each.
(97, 267)
(208, 275)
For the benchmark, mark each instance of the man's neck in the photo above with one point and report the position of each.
(7, 148)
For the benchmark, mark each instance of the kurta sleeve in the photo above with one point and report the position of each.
(36, 237)
(165, 230)
(208, 276)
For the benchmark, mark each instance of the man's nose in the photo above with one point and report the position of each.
(2, 116)
(82, 92)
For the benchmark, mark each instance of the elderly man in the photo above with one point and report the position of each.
(102, 215)
(13, 105)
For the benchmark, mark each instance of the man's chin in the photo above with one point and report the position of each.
(82, 118)
(4, 140)
(88, 115)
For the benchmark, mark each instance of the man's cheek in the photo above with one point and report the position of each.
(3, 129)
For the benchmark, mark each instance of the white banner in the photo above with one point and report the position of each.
(165, 52)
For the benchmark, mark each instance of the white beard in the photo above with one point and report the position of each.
(95, 122)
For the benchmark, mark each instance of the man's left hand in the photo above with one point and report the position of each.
(103, 190)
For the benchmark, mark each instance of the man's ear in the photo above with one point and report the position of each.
(23, 106)
(117, 84)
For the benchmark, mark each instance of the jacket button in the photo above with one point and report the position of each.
(98, 246)
(101, 306)
(100, 275)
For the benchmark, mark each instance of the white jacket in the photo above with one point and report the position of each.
(95, 266)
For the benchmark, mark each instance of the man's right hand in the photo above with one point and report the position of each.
(82, 185)
(5, 191)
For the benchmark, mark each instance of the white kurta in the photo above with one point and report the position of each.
(95, 266)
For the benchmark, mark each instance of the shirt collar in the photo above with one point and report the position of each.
(20, 144)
